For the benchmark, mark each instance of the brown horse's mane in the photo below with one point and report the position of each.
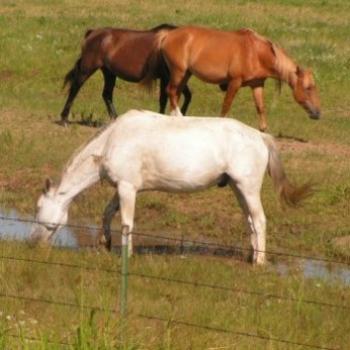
(163, 26)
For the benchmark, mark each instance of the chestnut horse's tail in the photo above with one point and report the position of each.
(156, 65)
(288, 192)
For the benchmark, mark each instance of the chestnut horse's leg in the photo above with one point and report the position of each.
(258, 94)
(178, 82)
(232, 88)
(163, 97)
(107, 93)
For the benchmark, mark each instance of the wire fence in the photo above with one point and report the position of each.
(155, 318)
(170, 280)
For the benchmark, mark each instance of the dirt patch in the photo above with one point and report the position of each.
(6, 74)
(300, 146)
(342, 245)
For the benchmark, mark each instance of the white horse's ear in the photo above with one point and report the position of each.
(48, 185)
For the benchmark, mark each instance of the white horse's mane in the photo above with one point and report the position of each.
(86, 149)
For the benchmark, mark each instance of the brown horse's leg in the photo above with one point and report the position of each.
(187, 99)
(107, 93)
(163, 97)
(258, 94)
(73, 91)
(76, 78)
(232, 89)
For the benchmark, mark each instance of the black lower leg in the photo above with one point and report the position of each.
(73, 91)
(163, 96)
(107, 94)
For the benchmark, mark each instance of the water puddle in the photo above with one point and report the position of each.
(20, 230)
(75, 238)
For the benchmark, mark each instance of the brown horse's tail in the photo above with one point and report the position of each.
(156, 65)
(288, 192)
(72, 75)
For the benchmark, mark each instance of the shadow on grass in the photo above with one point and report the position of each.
(282, 136)
(188, 249)
(88, 121)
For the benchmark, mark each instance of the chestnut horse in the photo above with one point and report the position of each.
(119, 53)
(233, 59)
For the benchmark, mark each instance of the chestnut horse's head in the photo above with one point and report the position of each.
(305, 92)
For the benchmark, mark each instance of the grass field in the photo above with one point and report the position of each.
(39, 42)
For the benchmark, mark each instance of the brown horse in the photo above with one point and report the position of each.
(233, 59)
(119, 53)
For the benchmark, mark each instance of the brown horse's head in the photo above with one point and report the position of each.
(305, 92)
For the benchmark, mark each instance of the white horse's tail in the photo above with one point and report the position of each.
(288, 192)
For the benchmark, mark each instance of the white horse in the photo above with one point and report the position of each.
(144, 151)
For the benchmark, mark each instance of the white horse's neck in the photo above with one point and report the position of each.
(83, 169)
(77, 179)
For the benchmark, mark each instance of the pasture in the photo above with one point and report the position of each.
(40, 41)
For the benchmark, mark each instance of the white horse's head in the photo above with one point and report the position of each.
(51, 214)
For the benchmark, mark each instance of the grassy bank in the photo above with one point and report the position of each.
(220, 303)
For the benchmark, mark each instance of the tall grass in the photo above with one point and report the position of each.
(248, 308)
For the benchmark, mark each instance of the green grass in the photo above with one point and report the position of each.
(40, 41)
(239, 310)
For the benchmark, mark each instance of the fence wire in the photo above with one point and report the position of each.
(165, 279)
(156, 318)
(235, 332)
(39, 340)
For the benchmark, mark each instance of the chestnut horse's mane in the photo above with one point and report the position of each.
(284, 65)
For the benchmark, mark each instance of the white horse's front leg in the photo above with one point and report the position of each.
(127, 197)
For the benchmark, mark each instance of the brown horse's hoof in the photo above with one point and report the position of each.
(63, 122)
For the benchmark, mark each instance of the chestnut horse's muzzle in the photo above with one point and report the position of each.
(316, 114)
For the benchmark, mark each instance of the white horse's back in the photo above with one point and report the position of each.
(181, 154)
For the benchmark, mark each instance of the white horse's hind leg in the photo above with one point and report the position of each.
(257, 223)
(253, 210)
(127, 198)
(111, 209)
